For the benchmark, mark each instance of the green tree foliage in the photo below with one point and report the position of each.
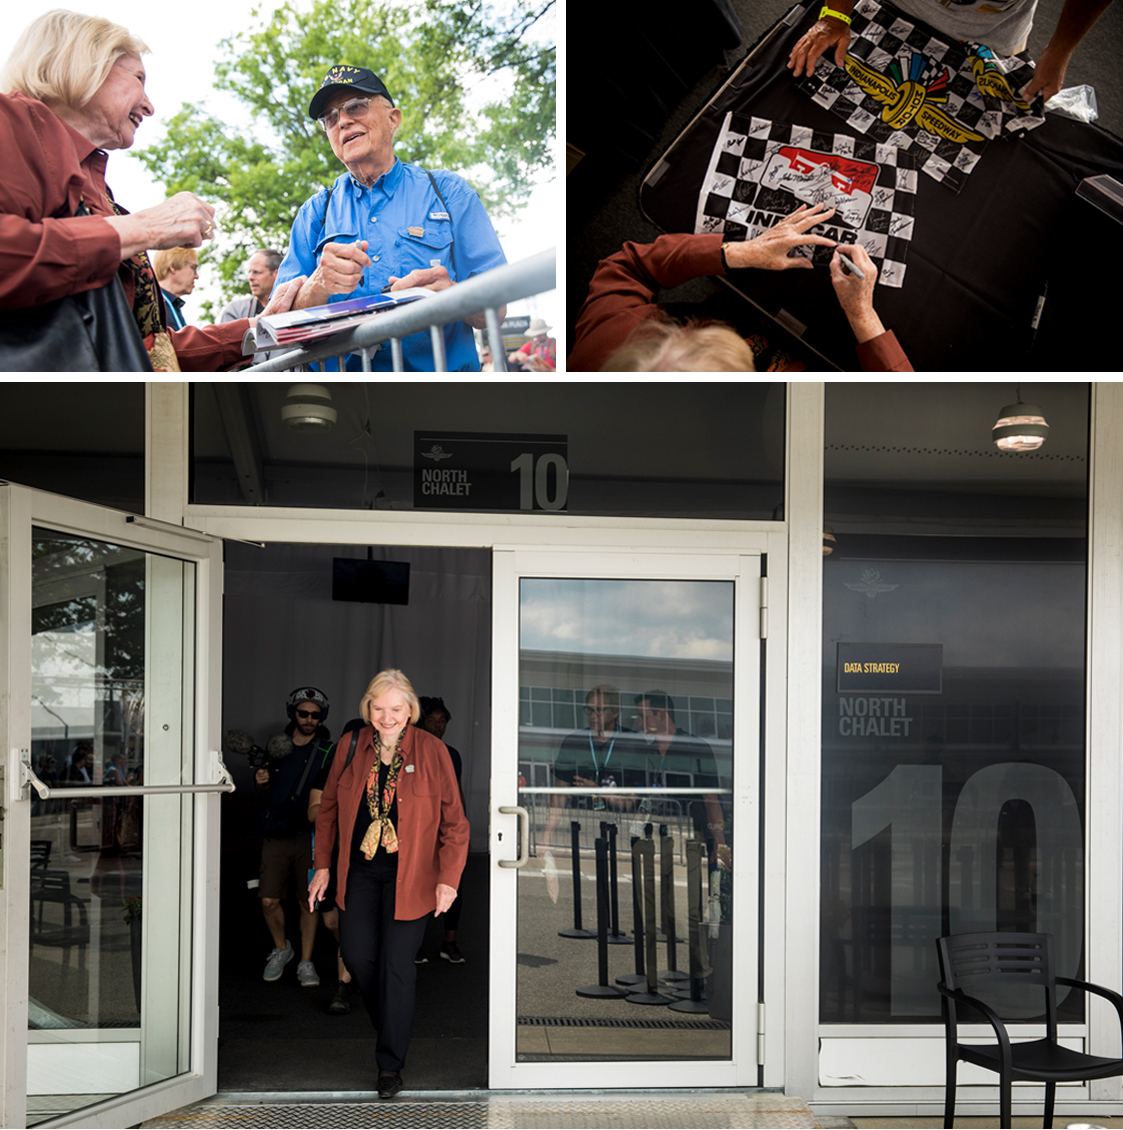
(475, 83)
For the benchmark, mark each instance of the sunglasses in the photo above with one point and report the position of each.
(313, 714)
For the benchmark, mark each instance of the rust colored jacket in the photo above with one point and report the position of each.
(47, 168)
(432, 828)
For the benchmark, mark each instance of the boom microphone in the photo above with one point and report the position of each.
(279, 747)
(238, 741)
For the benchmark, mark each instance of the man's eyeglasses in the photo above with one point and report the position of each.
(313, 714)
(356, 108)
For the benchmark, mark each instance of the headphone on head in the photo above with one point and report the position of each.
(307, 694)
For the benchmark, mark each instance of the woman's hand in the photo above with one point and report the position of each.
(446, 896)
(183, 220)
(769, 250)
(317, 887)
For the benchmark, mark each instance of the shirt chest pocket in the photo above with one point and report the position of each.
(423, 247)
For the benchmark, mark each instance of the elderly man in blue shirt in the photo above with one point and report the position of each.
(385, 221)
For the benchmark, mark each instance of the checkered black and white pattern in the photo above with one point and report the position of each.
(761, 171)
(882, 36)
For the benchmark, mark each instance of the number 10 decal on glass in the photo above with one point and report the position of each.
(908, 804)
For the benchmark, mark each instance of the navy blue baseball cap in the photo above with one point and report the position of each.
(343, 77)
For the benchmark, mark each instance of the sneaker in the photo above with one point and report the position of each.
(307, 976)
(390, 1084)
(420, 959)
(277, 961)
(450, 952)
(340, 1003)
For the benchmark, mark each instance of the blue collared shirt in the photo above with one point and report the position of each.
(407, 227)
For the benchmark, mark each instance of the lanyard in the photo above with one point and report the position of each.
(593, 754)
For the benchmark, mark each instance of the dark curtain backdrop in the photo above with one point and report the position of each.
(282, 629)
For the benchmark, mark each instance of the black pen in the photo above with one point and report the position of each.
(386, 288)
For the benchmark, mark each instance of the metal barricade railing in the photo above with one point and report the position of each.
(485, 293)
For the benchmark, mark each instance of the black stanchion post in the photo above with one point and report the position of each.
(639, 976)
(575, 850)
(615, 937)
(602, 988)
(667, 890)
(646, 851)
(694, 1002)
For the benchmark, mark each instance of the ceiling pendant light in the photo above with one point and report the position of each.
(1020, 427)
(307, 408)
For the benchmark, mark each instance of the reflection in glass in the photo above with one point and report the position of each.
(961, 809)
(110, 925)
(631, 830)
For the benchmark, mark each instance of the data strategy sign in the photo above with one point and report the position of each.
(890, 668)
(490, 471)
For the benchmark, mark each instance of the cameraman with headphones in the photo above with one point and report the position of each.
(295, 757)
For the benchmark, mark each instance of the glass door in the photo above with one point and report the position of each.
(624, 820)
(112, 814)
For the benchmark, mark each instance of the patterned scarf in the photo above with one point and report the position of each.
(147, 309)
(381, 830)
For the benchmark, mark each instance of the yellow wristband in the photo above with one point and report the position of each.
(837, 15)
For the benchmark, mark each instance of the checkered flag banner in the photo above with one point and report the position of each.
(905, 85)
(761, 171)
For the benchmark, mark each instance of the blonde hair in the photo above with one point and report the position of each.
(64, 57)
(172, 259)
(390, 680)
(665, 346)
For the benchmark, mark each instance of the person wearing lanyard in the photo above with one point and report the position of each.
(603, 755)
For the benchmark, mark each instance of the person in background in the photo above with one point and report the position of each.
(340, 1001)
(540, 353)
(176, 269)
(261, 273)
(286, 851)
(435, 718)
(1003, 26)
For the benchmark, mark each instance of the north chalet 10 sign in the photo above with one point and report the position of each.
(900, 668)
(489, 471)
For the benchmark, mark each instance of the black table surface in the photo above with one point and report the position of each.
(979, 260)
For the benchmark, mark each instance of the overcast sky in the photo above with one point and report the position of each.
(184, 38)
(652, 619)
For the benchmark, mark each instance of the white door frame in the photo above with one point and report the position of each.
(22, 508)
(504, 1070)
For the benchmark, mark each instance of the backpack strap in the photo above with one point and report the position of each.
(351, 751)
(452, 245)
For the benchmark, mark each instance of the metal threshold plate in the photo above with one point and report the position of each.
(677, 1111)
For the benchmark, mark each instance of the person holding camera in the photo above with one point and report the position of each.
(283, 785)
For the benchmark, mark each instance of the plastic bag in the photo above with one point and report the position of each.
(1077, 102)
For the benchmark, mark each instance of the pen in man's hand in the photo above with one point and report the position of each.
(850, 265)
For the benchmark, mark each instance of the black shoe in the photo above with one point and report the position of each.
(390, 1084)
(451, 952)
(340, 1004)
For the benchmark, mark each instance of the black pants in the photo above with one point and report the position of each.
(378, 951)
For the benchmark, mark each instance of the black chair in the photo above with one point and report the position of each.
(984, 961)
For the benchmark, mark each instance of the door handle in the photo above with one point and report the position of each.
(524, 835)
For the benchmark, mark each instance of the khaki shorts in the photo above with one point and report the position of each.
(282, 860)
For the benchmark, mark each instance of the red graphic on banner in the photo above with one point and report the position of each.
(846, 173)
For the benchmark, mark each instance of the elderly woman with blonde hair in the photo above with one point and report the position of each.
(74, 88)
(392, 802)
